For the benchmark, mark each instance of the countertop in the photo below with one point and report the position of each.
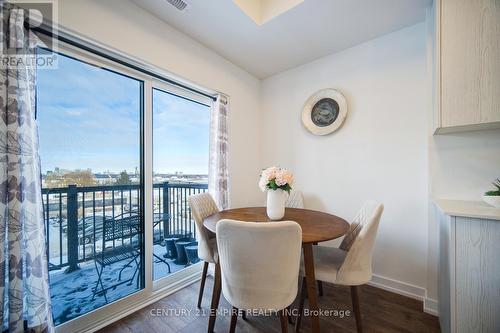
(474, 209)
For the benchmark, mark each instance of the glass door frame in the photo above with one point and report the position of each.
(151, 291)
(185, 273)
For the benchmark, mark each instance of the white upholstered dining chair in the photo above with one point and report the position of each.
(203, 205)
(295, 200)
(260, 265)
(351, 263)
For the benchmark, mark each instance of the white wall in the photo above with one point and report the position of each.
(463, 165)
(124, 26)
(379, 153)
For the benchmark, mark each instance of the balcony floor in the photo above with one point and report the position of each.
(72, 292)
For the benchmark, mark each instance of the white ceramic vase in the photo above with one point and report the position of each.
(276, 204)
(492, 200)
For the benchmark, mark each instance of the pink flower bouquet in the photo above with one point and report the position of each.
(274, 178)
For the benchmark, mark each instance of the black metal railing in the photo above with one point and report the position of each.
(74, 216)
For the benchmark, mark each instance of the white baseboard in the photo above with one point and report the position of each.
(398, 287)
(430, 305)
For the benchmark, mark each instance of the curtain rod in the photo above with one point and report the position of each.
(46, 29)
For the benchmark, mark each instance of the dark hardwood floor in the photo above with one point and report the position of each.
(382, 312)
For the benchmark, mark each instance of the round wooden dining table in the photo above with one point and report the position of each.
(316, 227)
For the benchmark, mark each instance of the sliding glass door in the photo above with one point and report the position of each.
(121, 152)
(90, 129)
(181, 124)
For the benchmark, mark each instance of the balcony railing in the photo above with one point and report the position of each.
(74, 217)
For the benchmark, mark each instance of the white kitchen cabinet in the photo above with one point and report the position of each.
(469, 267)
(467, 65)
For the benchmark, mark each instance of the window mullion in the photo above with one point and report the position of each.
(148, 183)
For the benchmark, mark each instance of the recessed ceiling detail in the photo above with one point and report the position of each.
(285, 33)
(261, 11)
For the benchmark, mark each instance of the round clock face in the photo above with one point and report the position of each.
(325, 112)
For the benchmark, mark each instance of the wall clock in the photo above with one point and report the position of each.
(324, 112)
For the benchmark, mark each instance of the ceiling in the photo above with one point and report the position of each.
(307, 31)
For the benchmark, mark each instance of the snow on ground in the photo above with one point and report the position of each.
(72, 292)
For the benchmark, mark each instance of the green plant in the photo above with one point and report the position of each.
(496, 192)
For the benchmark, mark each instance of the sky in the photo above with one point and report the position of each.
(89, 117)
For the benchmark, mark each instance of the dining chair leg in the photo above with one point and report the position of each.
(234, 319)
(302, 298)
(284, 322)
(202, 285)
(356, 308)
(320, 288)
(320, 283)
(215, 299)
(312, 293)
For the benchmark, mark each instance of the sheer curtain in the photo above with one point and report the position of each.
(218, 175)
(23, 263)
